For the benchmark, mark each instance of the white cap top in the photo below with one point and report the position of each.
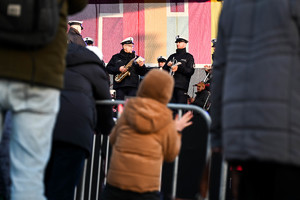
(128, 40)
(179, 38)
(75, 22)
(89, 40)
(161, 58)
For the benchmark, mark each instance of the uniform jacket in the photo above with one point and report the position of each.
(75, 37)
(45, 66)
(184, 72)
(256, 85)
(121, 59)
(144, 136)
(85, 82)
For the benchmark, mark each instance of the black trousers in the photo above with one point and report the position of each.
(179, 96)
(268, 180)
(123, 92)
(114, 193)
(63, 171)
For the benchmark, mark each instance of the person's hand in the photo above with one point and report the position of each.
(170, 64)
(122, 69)
(174, 68)
(190, 100)
(208, 68)
(184, 121)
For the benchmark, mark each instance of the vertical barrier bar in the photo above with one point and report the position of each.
(99, 169)
(175, 172)
(91, 167)
(106, 163)
(83, 180)
(75, 193)
(223, 179)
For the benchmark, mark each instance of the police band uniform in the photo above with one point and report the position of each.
(184, 72)
(128, 86)
(207, 68)
(161, 60)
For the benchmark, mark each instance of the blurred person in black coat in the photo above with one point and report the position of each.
(79, 118)
(253, 126)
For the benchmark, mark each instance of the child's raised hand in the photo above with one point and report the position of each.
(184, 121)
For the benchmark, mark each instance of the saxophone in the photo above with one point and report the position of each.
(122, 75)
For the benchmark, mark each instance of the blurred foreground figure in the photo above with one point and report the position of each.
(256, 96)
(29, 83)
(77, 121)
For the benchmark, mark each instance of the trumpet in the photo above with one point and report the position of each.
(171, 72)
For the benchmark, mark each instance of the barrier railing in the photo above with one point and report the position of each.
(91, 187)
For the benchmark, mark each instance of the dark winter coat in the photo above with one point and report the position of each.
(185, 70)
(45, 66)
(202, 98)
(256, 85)
(75, 37)
(85, 82)
(121, 59)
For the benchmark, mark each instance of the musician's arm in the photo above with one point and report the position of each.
(140, 70)
(187, 68)
(112, 67)
(166, 67)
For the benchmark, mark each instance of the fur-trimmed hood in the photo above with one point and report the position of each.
(146, 115)
(157, 85)
(147, 112)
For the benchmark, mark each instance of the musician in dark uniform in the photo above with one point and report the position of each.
(208, 68)
(117, 65)
(181, 66)
(161, 62)
(89, 41)
(74, 33)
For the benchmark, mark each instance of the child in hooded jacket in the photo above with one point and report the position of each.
(145, 135)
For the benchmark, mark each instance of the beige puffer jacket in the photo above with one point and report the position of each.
(144, 136)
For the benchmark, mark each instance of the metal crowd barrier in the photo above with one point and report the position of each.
(95, 169)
